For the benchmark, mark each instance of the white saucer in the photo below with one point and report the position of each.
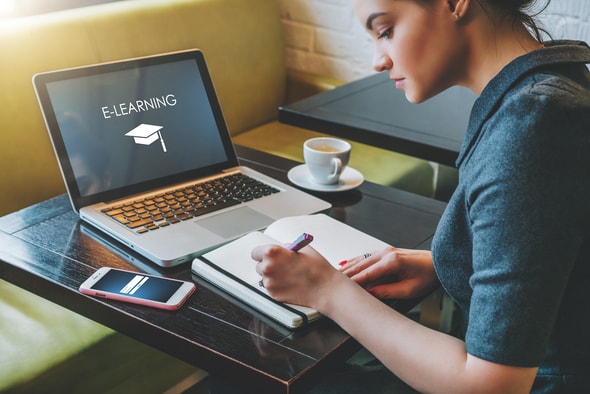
(349, 179)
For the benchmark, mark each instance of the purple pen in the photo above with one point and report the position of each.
(300, 242)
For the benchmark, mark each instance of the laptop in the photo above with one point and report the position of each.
(147, 158)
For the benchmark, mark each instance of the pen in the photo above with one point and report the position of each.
(300, 242)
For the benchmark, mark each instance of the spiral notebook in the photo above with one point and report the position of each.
(231, 268)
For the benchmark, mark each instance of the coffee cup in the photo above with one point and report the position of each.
(326, 158)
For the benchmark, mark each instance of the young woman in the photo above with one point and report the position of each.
(513, 246)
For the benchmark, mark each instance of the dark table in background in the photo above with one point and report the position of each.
(372, 111)
(47, 250)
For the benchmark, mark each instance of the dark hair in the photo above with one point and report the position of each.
(520, 11)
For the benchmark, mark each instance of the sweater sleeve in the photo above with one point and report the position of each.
(526, 202)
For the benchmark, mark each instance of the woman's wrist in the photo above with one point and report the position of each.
(334, 292)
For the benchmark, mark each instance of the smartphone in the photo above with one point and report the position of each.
(138, 288)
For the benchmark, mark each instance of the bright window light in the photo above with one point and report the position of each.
(7, 8)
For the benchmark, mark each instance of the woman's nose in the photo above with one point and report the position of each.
(381, 62)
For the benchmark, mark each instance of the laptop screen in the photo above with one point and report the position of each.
(128, 127)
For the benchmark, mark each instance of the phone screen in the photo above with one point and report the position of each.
(136, 285)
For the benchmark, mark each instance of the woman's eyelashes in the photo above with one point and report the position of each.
(386, 33)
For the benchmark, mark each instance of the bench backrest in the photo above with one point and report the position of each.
(242, 41)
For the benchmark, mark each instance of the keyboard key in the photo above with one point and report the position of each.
(139, 223)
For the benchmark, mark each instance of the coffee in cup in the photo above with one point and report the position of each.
(326, 158)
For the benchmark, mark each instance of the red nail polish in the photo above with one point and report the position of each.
(342, 262)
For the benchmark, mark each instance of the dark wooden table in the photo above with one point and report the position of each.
(372, 111)
(47, 250)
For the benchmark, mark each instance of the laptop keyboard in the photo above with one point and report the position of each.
(172, 207)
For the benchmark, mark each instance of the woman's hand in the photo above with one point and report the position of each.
(294, 277)
(394, 272)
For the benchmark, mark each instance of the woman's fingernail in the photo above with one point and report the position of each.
(342, 262)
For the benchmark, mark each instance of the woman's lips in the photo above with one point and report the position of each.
(399, 83)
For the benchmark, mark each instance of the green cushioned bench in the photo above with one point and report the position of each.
(45, 348)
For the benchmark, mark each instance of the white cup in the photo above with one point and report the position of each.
(326, 158)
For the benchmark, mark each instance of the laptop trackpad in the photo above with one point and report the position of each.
(237, 222)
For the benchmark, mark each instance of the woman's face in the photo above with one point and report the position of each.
(417, 42)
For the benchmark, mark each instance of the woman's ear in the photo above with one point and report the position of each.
(451, 5)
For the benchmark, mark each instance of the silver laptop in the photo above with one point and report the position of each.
(147, 158)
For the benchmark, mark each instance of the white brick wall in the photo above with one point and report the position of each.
(324, 37)
(568, 19)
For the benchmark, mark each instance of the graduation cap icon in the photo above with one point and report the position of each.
(146, 134)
